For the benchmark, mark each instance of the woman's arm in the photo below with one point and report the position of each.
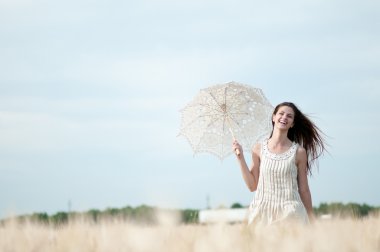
(250, 176)
(303, 185)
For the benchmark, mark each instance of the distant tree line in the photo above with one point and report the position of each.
(338, 209)
(147, 215)
(139, 215)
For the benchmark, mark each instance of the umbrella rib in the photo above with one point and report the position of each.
(238, 93)
(208, 106)
(204, 132)
(238, 113)
(197, 118)
(212, 108)
(224, 119)
(213, 97)
(242, 103)
(257, 91)
(242, 132)
(239, 105)
(201, 104)
(229, 114)
(217, 110)
(225, 111)
(225, 97)
(222, 138)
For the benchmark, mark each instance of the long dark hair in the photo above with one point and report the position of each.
(305, 133)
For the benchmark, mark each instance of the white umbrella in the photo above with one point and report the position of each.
(221, 113)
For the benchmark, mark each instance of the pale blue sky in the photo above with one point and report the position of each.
(90, 93)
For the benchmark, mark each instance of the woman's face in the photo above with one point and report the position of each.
(284, 118)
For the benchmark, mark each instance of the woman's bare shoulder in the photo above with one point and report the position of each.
(301, 150)
(301, 153)
(257, 148)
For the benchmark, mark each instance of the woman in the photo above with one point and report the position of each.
(280, 168)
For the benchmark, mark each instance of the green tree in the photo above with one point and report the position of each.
(112, 212)
(366, 209)
(190, 216)
(59, 218)
(236, 205)
(144, 214)
(42, 218)
(93, 214)
(345, 210)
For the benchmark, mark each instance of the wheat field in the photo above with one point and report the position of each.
(84, 236)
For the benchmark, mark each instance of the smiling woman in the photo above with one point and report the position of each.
(280, 167)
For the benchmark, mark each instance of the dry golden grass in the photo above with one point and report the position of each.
(82, 236)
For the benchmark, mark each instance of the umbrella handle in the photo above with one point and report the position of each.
(237, 151)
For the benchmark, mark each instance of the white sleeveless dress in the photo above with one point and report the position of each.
(277, 198)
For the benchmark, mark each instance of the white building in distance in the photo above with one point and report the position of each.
(229, 215)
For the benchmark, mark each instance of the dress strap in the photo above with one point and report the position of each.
(287, 154)
(264, 141)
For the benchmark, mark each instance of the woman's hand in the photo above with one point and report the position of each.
(238, 149)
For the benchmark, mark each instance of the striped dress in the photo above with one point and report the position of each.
(277, 197)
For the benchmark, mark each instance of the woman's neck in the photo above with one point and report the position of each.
(279, 138)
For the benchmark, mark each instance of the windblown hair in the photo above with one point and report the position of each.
(305, 133)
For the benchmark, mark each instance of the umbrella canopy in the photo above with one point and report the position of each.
(221, 113)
